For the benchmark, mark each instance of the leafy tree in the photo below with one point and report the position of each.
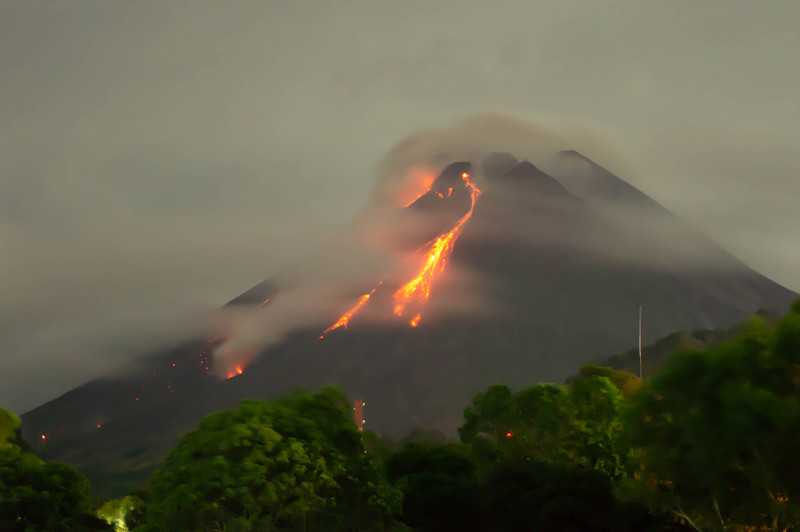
(138, 500)
(443, 490)
(365, 500)
(439, 485)
(717, 432)
(39, 496)
(489, 416)
(379, 447)
(577, 425)
(10, 436)
(125, 513)
(255, 466)
(539, 496)
(595, 429)
(489, 421)
(297, 462)
(626, 383)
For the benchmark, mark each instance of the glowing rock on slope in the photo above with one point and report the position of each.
(236, 371)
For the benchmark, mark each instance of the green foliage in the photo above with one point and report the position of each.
(115, 512)
(541, 496)
(626, 383)
(439, 486)
(710, 440)
(10, 436)
(9, 424)
(136, 514)
(542, 458)
(39, 496)
(268, 465)
(126, 513)
(443, 490)
(575, 425)
(596, 426)
(717, 432)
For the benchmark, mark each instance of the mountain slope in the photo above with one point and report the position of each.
(673, 245)
(541, 280)
(655, 354)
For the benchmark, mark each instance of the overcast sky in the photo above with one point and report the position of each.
(158, 158)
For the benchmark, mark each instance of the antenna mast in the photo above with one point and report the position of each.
(640, 341)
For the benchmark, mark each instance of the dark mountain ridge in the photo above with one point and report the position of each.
(549, 300)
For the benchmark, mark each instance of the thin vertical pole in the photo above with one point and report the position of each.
(640, 341)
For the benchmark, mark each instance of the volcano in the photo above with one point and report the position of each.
(558, 264)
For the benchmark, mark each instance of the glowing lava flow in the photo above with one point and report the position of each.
(418, 289)
(345, 319)
(237, 371)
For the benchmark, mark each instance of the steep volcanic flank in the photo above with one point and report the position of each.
(410, 298)
(521, 279)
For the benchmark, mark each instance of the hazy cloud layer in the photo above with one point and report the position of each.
(157, 159)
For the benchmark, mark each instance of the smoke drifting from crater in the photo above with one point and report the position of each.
(589, 212)
(474, 137)
(385, 236)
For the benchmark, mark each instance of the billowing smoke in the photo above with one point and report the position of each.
(312, 292)
(578, 157)
(377, 245)
(572, 213)
(309, 293)
(475, 137)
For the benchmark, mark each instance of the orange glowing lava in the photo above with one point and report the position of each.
(418, 289)
(436, 252)
(236, 371)
(347, 316)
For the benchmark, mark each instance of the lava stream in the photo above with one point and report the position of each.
(418, 289)
(345, 319)
(437, 253)
(237, 371)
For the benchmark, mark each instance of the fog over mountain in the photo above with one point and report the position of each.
(157, 159)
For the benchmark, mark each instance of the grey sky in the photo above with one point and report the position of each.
(158, 158)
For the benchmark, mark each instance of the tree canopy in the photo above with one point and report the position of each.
(576, 425)
(270, 465)
(709, 443)
(40, 496)
(717, 433)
